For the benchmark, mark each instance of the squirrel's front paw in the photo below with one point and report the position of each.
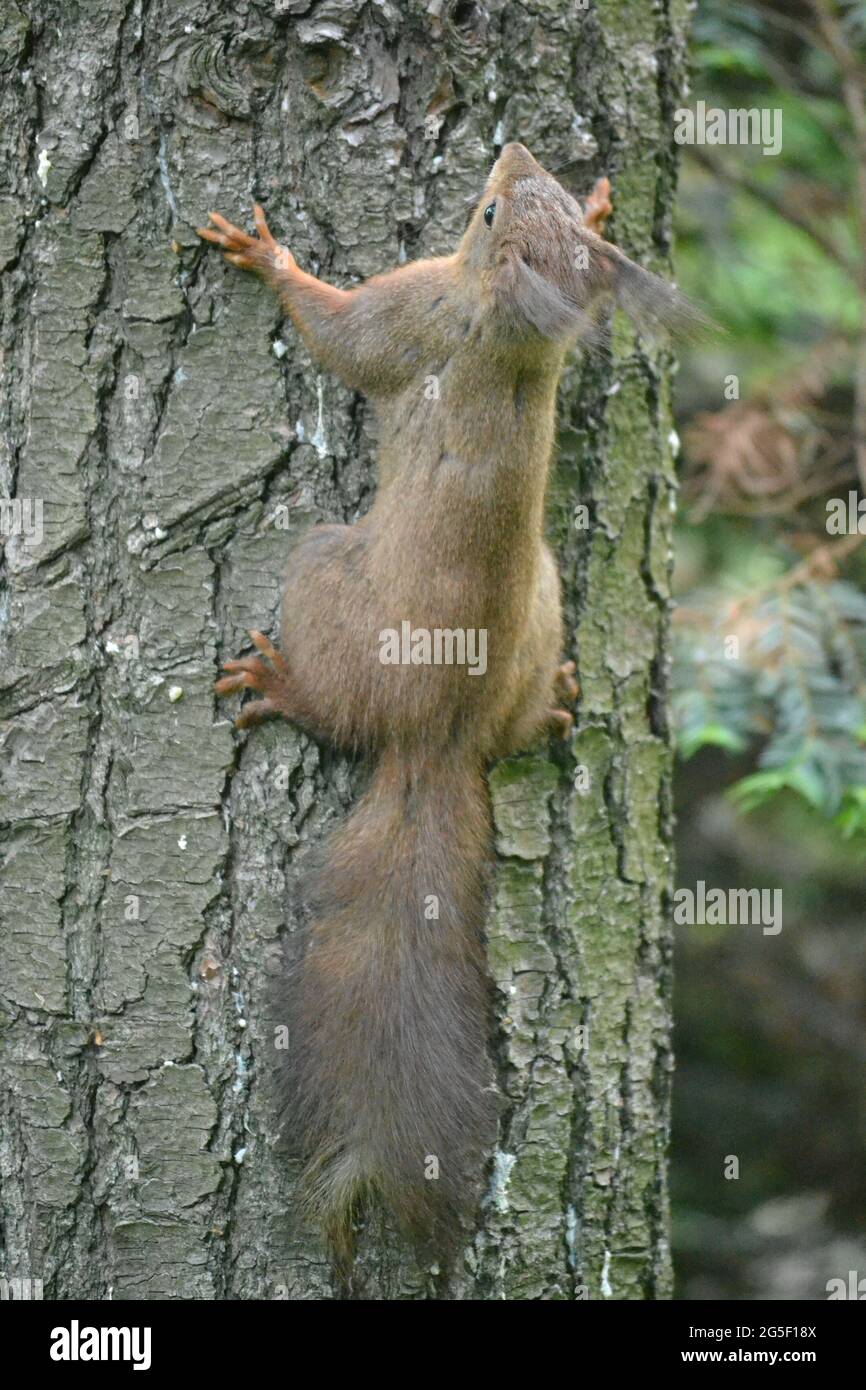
(248, 252)
(598, 207)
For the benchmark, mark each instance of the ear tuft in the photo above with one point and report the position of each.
(654, 306)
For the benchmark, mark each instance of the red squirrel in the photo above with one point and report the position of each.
(389, 1080)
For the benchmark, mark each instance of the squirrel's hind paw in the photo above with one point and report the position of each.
(271, 677)
(565, 687)
(560, 722)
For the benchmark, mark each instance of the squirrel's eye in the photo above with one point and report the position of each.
(488, 214)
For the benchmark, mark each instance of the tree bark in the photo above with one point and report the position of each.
(179, 439)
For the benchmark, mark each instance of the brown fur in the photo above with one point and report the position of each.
(387, 1009)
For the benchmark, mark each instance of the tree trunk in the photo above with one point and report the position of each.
(179, 438)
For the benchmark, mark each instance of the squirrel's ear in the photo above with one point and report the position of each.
(652, 304)
(532, 300)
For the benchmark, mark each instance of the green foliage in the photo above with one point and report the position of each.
(748, 264)
(785, 672)
(769, 244)
(770, 1030)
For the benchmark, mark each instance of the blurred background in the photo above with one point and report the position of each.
(770, 666)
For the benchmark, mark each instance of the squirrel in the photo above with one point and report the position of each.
(388, 1009)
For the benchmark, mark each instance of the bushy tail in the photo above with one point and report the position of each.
(389, 1086)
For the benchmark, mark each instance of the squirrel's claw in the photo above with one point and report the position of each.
(267, 648)
(254, 712)
(262, 227)
(227, 235)
(236, 246)
(241, 679)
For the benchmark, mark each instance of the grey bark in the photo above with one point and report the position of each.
(179, 438)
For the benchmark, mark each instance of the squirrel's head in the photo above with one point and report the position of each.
(543, 269)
